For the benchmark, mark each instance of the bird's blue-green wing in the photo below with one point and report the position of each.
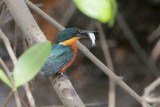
(60, 56)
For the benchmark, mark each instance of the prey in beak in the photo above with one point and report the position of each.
(87, 33)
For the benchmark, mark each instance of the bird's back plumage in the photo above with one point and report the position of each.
(60, 56)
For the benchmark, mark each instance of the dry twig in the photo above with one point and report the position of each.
(68, 14)
(15, 39)
(65, 91)
(3, 13)
(12, 82)
(103, 104)
(139, 50)
(108, 60)
(24, 44)
(8, 98)
(155, 34)
(45, 16)
(148, 91)
(14, 60)
(155, 52)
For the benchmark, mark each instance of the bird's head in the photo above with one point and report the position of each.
(69, 35)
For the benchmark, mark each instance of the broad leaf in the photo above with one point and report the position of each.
(30, 63)
(4, 78)
(102, 10)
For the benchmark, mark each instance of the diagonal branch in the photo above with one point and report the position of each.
(147, 92)
(65, 91)
(138, 49)
(21, 13)
(104, 45)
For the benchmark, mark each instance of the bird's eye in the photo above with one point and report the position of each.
(76, 32)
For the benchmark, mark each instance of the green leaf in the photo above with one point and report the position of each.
(102, 10)
(4, 78)
(114, 10)
(30, 63)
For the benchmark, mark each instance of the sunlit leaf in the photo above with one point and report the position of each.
(4, 78)
(102, 10)
(114, 10)
(30, 63)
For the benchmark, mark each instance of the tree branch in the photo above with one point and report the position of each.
(138, 49)
(8, 98)
(68, 14)
(65, 91)
(45, 16)
(104, 45)
(148, 91)
(25, 21)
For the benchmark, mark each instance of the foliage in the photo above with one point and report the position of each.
(4, 78)
(29, 64)
(102, 10)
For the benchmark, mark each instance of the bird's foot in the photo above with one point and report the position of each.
(65, 76)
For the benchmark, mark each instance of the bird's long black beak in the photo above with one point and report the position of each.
(84, 33)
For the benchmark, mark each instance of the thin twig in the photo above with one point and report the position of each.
(152, 100)
(156, 105)
(68, 14)
(29, 96)
(152, 86)
(8, 98)
(105, 104)
(155, 52)
(108, 60)
(45, 16)
(3, 13)
(138, 49)
(155, 34)
(8, 47)
(15, 39)
(88, 54)
(1, 2)
(24, 103)
(24, 44)
(5, 67)
(148, 91)
(28, 87)
(14, 60)
(12, 82)
(97, 104)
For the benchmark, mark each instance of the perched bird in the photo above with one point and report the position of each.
(63, 52)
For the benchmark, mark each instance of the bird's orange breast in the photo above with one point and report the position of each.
(74, 47)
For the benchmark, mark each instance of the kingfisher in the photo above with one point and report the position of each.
(64, 52)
